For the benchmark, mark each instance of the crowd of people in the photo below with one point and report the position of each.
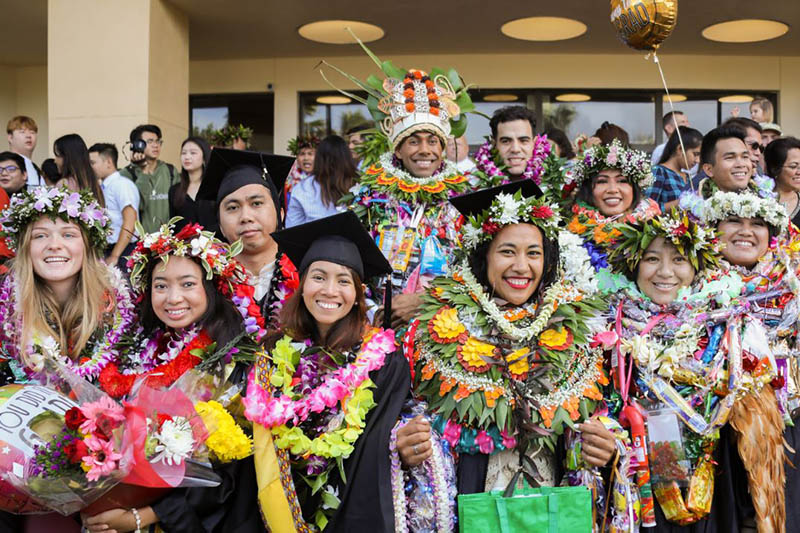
(394, 323)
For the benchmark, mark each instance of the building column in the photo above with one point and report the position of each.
(115, 64)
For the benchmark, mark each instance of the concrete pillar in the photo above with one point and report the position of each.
(114, 64)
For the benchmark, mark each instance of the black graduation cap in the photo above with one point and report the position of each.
(340, 239)
(477, 202)
(230, 169)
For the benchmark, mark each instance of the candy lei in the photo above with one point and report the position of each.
(484, 161)
(435, 472)
(102, 351)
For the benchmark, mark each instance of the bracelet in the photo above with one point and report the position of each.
(137, 518)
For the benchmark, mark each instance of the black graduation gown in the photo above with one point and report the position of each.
(792, 436)
(367, 496)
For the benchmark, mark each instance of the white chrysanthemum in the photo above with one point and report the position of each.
(175, 441)
(506, 209)
(472, 235)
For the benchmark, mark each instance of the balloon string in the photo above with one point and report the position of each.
(672, 110)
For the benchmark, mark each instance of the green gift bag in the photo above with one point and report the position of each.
(542, 509)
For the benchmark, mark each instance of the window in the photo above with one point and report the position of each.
(210, 112)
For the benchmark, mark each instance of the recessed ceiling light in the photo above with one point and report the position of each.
(543, 28)
(745, 31)
(500, 97)
(573, 97)
(736, 99)
(675, 97)
(334, 31)
(334, 99)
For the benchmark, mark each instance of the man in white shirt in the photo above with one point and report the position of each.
(122, 203)
(671, 120)
(22, 133)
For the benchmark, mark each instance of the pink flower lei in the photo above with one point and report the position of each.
(270, 410)
(102, 353)
(484, 161)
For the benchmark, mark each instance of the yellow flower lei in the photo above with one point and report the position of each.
(226, 440)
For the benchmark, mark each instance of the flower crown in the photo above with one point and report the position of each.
(692, 240)
(302, 141)
(216, 257)
(79, 207)
(411, 101)
(746, 204)
(634, 164)
(232, 132)
(507, 209)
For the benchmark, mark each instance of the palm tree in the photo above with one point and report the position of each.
(558, 116)
(350, 119)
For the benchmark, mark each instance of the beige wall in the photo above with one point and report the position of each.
(290, 75)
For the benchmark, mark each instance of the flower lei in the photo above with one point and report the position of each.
(507, 209)
(285, 281)
(692, 240)
(280, 400)
(101, 352)
(742, 204)
(486, 155)
(473, 359)
(634, 164)
(227, 441)
(389, 178)
(193, 347)
(78, 207)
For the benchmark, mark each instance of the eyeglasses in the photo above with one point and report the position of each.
(155, 141)
(10, 169)
(794, 167)
(755, 146)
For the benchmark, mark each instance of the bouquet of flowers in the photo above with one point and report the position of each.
(64, 454)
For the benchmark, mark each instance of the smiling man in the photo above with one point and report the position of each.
(403, 197)
(726, 159)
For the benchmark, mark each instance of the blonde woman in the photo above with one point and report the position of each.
(59, 299)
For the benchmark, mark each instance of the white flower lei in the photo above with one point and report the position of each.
(575, 262)
(450, 169)
(746, 205)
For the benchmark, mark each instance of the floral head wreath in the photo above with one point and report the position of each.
(746, 204)
(411, 101)
(79, 207)
(216, 258)
(507, 209)
(302, 141)
(634, 164)
(232, 132)
(692, 240)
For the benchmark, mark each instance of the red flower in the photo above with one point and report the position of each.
(490, 227)
(749, 362)
(542, 211)
(189, 230)
(253, 310)
(680, 230)
(778, 382)
(74, 418)
(162, 417)
(76, 451)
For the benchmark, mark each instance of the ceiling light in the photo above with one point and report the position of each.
(543, 28)
(333, 100)
(334, 31)
(675, 98)
(573, 97)
(500, 97)
(745, 31)
(736, 99)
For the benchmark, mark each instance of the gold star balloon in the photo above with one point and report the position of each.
(644, 24)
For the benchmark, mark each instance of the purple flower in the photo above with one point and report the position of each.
(71, 205)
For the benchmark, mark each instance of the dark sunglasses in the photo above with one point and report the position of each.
(755, 146)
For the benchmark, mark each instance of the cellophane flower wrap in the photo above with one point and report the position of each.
(166, 437)
(68, 442)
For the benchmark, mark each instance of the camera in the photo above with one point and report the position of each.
(138, 146)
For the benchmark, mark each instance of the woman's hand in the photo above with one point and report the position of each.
(597, 443)
(414, 441)
(119, 520)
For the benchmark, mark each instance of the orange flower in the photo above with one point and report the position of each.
(374, 170)
(492, 396)
(435, 188)
(418, 74)
(602, 379)
(458, 178)
(385, 179)
(462, 393)
(410, 107)
(513, 315)
(446, 386)
(593, 392)
(547, 415)
(408, 187)
(435, 111)
(576, 227)
(474, 355)
(518, 362)
(445, 327)
(408, 93)
(429, 83)
(571, 405)
(432, 96)
(556, 339)
(457, 277)
(428, 371)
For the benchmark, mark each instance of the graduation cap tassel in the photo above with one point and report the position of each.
(387, 303)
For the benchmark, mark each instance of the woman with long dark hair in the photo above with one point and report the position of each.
(72, 160)
(317, 196)
(195, 153)
(670, 176)
(782, 159)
